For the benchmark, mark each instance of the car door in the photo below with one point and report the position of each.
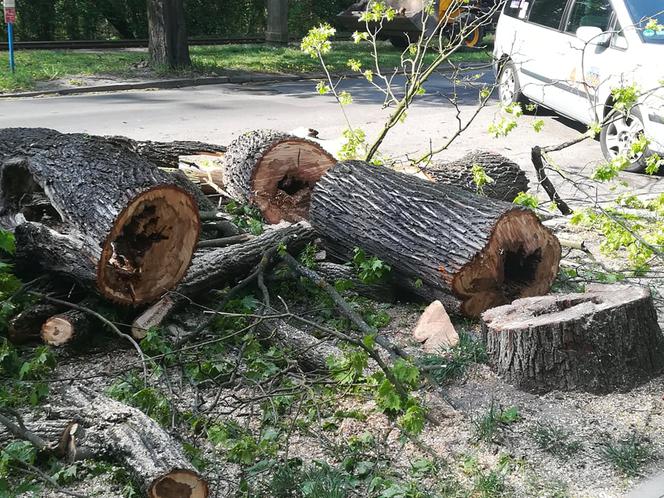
(589, 63)
(540, 62)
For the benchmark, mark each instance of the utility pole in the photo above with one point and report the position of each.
(277, 22)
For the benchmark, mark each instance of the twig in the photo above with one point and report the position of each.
(225, 241)
(538, 161)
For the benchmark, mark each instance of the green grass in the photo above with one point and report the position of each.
(628, 455)
(42, 65)
(452, 364)
(555, 440)
(488, 427)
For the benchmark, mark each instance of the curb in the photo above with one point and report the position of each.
(174, 83)
(239, 78)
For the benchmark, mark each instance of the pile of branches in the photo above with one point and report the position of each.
(112, 222)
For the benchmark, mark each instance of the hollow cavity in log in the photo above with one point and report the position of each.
(275, 172)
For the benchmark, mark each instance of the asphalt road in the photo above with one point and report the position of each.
(219, 113)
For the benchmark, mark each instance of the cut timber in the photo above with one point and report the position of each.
(384, 290)
(435, 329)
(275, 172)
(162, 154)
(131, 226)
(483, 251)
(600, 341)
(508, 178)
(93, 426)
(68, 328)
(167, 154)
(216, 268)
(26, 326)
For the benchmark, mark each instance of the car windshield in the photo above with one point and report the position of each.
(648, 16)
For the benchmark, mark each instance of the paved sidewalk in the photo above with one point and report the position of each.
(652, 488)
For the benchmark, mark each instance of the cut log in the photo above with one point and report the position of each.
(167, 154)
(26, 326)
(129, 224)
(92, 426)
(67, 329)
(214, 268)
(603, 340)
(384, 290)
(483, 251)
(508, 178)
(275, 172)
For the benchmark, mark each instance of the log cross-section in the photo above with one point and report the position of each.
(485, 252)
(129, 224)
(275, 172)
(603, 340)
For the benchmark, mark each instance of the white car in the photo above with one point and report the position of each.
(568, 55)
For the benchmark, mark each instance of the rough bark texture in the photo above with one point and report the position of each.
(167, 29)
(121, 214)
(275, 172)
(384, 290)
(95, 426)
(485, 252)
(167, 154)
(215, 268)
(604, 340)
(211, 268)
(26, 326)
(508, 178)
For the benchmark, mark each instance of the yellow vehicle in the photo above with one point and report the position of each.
(408, 23)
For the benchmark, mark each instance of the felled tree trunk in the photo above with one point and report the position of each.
(484, 252)
(117, 221)
(92, 426)
(68, 328)
(508, 179)
(26, 326)
(214, 268)
(600, 341)
(167, 154)
(275, 172)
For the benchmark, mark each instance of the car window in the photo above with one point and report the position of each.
(547, 12)
(517, 8)
(595, 13)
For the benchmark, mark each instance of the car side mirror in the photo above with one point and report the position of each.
(593, 35)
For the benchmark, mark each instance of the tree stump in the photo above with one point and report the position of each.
(118, 221)
(604, 340)
(276, 172)
(508, 178)
(483, 251)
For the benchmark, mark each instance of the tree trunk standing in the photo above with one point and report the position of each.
(483, 251)
(600, 341)
(277, 22)
(167, 28)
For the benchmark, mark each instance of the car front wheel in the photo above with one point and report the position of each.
(619, 132)
(509, 89)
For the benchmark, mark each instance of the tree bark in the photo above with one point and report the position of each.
(127, 227)
(275, 172)
(90, 425)
(168, 42)
(508, 178)
(26, 326)
(70, 328)
(485, 252)
(167, 154)
(604, 340)
(214, 268)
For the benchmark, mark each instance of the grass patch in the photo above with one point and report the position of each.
(43, 65)
(555, 440)
(452, 364)
(628, 455)
(488, 427)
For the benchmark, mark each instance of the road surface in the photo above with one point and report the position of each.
(220, 113)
